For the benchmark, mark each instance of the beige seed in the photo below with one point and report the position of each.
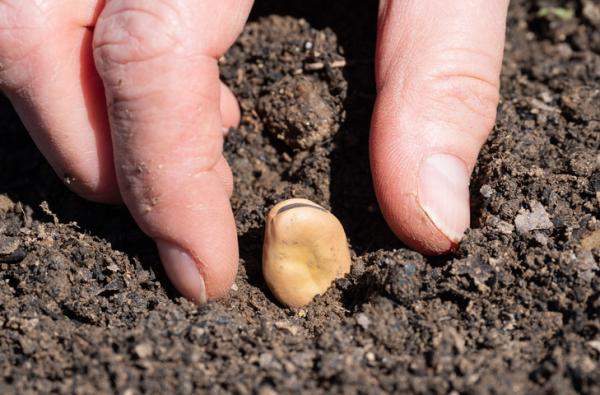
(304, 251)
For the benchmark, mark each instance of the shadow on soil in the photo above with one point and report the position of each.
(26, 177)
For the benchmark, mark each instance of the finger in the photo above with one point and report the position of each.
(437, 73)
(224, 172)
(56, 91)
(158, 62)
(230, 110)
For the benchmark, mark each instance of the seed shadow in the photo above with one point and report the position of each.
(250, 252)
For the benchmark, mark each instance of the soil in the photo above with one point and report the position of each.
(86, 309)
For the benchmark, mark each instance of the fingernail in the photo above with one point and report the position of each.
(444, 194)
(182, 271)
(225, 131)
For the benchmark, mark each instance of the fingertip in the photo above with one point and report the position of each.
(195, 279)
(230, 109)
(65, 113)
(103, 197)
(218, 266)
(224, 172)
(423, 193)
(411, 224)
(437, 95)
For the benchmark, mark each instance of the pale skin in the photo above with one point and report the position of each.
(124, 100)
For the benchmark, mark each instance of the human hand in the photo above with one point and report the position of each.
(146, 127)
(437, 73)
(437, 76)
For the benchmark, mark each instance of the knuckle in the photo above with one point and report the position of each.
(23, 27)
(126, 35)
(478, 95)
(93, 193)
(466, 98)
(140, 189)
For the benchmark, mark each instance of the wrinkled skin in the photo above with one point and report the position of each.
(123, 98)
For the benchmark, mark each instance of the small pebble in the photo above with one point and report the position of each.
(595, 344)
(541, 238)
(363, 320)
(143, 350)
(291, 328)
(410, 269)
(8, 245)
(370, 357)
(5, 204)
(591, 241)
(504, 227)
(535, 219)
(486, 191)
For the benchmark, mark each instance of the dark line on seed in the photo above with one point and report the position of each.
(297, 205)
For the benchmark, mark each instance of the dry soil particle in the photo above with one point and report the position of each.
(85, 308)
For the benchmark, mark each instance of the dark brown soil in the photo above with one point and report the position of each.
(85, 307)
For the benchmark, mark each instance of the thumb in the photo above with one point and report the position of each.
(437, 73)
(158, 63)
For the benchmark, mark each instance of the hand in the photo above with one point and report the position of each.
(157, 83)
(437, 73)
(157, 86)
